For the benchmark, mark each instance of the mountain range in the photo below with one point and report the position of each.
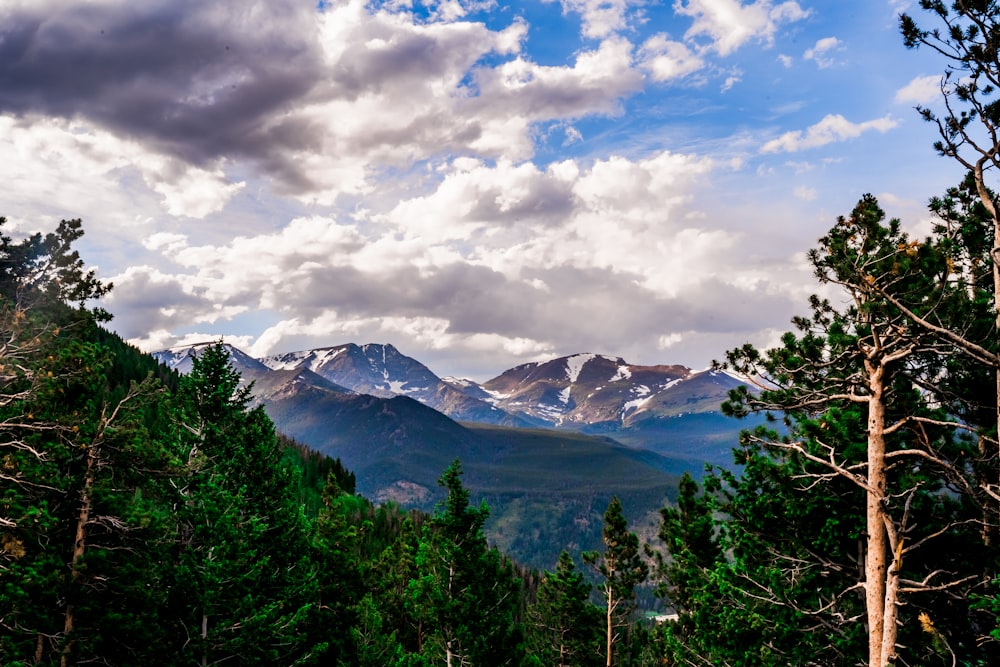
(546, 444)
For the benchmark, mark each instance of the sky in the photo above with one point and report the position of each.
(479, 183)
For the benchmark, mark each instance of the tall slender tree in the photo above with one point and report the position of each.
(870, 361)
(966, 34)
(622, 568)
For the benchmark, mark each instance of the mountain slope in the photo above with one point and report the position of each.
(381, 370)
(602, 393)
(547, 489)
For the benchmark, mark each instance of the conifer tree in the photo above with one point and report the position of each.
(865, 392)
(465, 595)
(245, 586)
(83, 508)
(689, 532)
(622, 568)
(565, 627)
(965, 35)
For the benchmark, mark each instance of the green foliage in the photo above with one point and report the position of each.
(245, 585)
(464, 594)
(314, 469)
(564, 627)
(622, 568)
(865, 374)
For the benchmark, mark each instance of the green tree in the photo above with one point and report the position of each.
(966, 35)
(689, 532)
(339, 575)
(622, 568)
(244, 587)
(564, 626)
(869, 368)
(465, 595)
(83, 507)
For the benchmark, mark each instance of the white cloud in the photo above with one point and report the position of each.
(669, 340)
(831, 128)
(732, 80)
(921, 90)
(786, 61)
(728, 24)
(600, 18)
(493, 261)
(666, 59)
(196, 193)
(162, 339)
(821, 52)
(71, 161)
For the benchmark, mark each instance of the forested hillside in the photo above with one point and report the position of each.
(152, 519)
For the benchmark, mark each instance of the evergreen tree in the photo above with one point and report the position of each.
(465, 595)
(339, 576)
(689, 533)
(83, 507)
(966, 37)
(244, 588)
(564, 626)
(866, 395)
(622, 568)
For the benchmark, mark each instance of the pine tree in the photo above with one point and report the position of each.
(564, 626)
(622, 568)
(465, 595)
(83, 506)
(245, 586)
(867, 400)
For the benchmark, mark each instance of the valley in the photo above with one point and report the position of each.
(546, 445)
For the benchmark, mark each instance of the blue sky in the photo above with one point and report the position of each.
(480, 184)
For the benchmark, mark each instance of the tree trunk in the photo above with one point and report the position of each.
(987, 201)
(610, 621)
(79, 549)
(880, 592)
(204, 639)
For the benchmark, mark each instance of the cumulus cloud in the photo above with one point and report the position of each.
(728, 24)
(666, 59)
(195, 80)
(921, 90)
(601, 18)
(74, 161)
(495, 261)
(822, 52)
(831, 128)
(320, 102)
(323, 172)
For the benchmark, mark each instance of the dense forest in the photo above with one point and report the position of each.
(147, 518)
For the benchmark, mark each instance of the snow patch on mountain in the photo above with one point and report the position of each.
(311, 359)
(622, 373)
(575, 364)
(564, 396)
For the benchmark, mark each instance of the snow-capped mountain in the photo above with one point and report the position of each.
(592, 390)
(370, 406)
(581, 392)
(381, 370)
(180, 358)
